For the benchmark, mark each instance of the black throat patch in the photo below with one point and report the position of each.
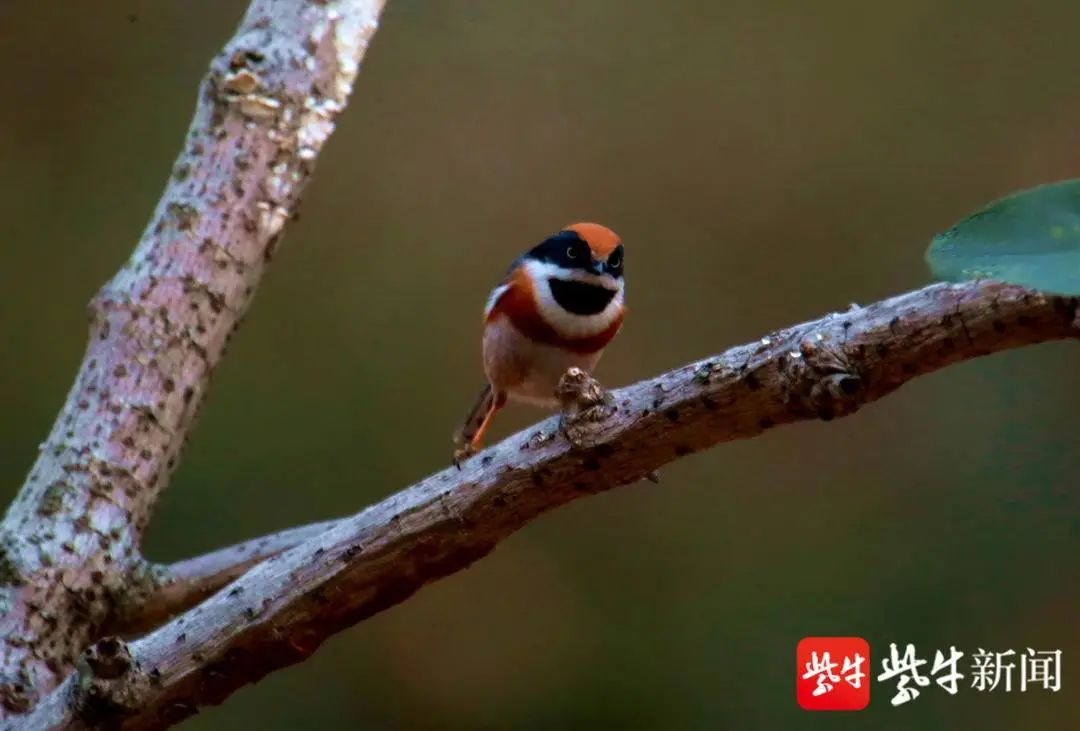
(580, 298)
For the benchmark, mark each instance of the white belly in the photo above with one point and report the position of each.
(525, 370)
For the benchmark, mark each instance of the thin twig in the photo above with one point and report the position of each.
(182, 585)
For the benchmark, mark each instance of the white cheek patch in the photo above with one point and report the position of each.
(566, 323)
(542, 271)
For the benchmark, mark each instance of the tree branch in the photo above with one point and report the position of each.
(281, 610)
(69, 542)
(182, 585)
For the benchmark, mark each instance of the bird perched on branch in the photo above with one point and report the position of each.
(559, 305)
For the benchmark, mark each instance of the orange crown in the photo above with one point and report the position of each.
(601, 239)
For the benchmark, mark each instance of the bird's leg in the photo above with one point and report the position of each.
(474, 435)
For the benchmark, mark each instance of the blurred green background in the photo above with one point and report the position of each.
(766, 162)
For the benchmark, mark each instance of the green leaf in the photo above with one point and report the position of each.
(1030, 238)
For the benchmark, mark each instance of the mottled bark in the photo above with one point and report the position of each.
(280, 611)
(182, 585)
(69, 543)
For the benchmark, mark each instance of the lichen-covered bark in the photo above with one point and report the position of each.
(69, 542)
(279, 612)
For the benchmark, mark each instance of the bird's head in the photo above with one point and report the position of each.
(583, 252)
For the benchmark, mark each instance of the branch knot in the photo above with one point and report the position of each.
(822, 379)
(108, 683)
(584, 403)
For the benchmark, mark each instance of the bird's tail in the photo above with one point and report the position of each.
(479, 417)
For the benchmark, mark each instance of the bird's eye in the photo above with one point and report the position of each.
(615, 260)
(571, 252)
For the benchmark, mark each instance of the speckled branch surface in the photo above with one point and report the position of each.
(281, 610)
(69, 543)
(182, 585)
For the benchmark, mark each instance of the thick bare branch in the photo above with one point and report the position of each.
(69, 542)
(280, 611)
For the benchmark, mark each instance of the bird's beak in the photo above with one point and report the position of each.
(597, 267)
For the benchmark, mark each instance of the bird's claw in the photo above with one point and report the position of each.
(463, 453)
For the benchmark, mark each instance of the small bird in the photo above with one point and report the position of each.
(559, 305)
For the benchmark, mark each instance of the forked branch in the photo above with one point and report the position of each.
(69, 543)
(281, 610)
